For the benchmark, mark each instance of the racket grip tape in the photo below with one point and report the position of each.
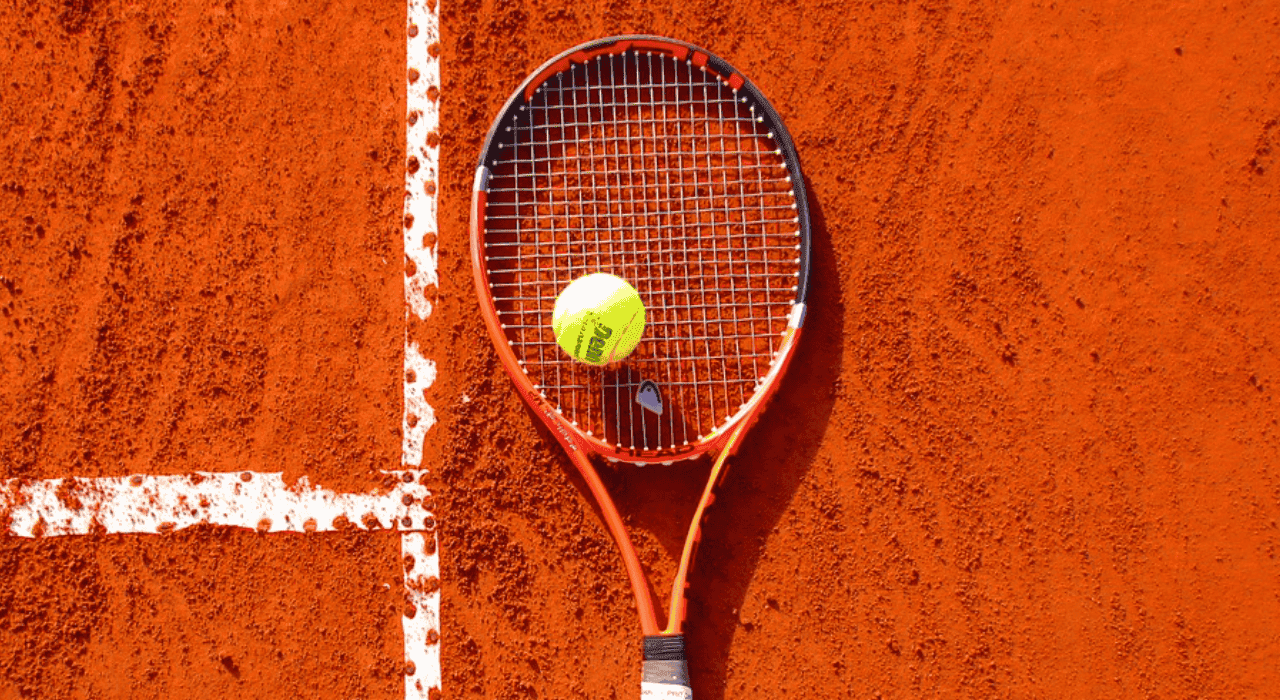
(666, 673)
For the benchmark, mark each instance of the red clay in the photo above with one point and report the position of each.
(202, 613)
(1027, 448)
(199, 238)
(200, 270)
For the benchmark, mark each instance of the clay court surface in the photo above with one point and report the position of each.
(1028, 448)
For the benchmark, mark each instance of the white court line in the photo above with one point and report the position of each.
(422, 631)
(421, 185)
(151, 504)
(261, 501)
(257, 501)
(422, 155)
(419, 374)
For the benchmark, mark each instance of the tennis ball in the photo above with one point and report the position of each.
(598, 319)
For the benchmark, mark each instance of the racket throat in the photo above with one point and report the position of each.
(666, 671)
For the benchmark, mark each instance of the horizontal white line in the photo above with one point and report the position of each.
(254, 500)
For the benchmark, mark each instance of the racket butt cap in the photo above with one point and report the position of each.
(666, 674)
(664, 647)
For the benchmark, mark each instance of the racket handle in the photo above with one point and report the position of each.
(666, 673)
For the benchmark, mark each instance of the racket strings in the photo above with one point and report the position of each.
(656, 171)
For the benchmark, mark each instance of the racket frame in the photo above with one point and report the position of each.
(721, 442)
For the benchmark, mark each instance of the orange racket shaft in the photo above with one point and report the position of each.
(675, 621)
(635, 572)
(679, 607)
(639, 582)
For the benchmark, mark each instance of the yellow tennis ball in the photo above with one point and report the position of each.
(598, 319)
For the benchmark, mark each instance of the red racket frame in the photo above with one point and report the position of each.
(722, 442)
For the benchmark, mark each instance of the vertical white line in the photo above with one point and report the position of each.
(422, 153)
(419, 374)
(421, 618)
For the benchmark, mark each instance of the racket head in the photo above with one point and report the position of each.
(652, 159)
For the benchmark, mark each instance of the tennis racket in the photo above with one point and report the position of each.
(653, 160)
